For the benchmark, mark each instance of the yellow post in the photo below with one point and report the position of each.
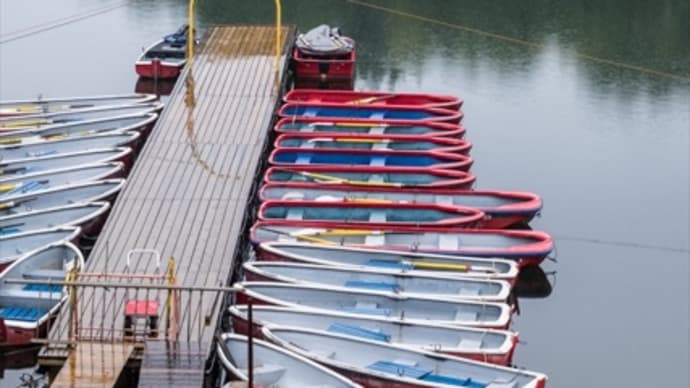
(276, 78)
(190, 36)
(171, 327)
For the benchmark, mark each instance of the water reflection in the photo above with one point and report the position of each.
(17, 366)
(152, 86)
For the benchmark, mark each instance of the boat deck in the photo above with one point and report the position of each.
(189, 194)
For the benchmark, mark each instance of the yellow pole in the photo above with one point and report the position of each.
(190, 36)
(279, 22)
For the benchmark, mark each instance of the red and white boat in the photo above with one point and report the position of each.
(324, 54)
(26, 309)
(378, 129)
(350, 97)
(165, 58)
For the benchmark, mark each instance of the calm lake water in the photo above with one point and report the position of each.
(586, 103)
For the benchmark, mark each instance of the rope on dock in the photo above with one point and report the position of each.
(51, 25)
(522, 42)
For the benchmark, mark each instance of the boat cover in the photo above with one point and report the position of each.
(324, 40)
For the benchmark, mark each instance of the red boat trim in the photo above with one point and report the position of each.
(436, 115)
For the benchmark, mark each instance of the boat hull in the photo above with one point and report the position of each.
(327, 68)
(377, 98)
(363, 114)
(378, 129)
(157, 69)
(525, 247)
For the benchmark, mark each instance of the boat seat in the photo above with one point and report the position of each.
(376, 286)
(267, 374)
(466, 343)
(469, 291)
(356, 331)
(390, 264)
(303, 159)
(26, 314)
(310, 112)
(292, 195)
(399, 369)
(323, 353)
(376, 240)
(444, 200)
(294, 213)
(380, 146)
(468, 316)
(56, 274)
(378, 115)
(367, 309)
(452, 380)
(511, 384)
(377, 215)
(30, 296)
(447, 242)
(378, 161)
(376, 178)
(377, 130)
(6, 231)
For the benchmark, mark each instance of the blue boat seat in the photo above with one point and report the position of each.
(378, 286)
(356, 331)
(12, 230)
(451, 380)
(389, 264)
(56, 274)
(26, 314)
(43, 288)
(377, 215)
(378, 115)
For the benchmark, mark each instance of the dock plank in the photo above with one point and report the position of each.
(93, 364)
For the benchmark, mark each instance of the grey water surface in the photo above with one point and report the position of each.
(585, 102)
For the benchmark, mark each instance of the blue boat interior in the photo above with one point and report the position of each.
(404, 178)
(382, 130)
(49, 288)
(354, 214)
(360, 113)
(26, 314)
(361, 145)
(357, 331)
(424, 374)
(369, 159)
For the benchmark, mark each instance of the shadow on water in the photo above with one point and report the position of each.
(17, 365)
(533, 282)
(152, 86)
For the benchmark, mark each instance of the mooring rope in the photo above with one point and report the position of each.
(53, 24)
(522, 42)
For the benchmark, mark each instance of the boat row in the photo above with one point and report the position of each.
(62, 164)
(373, 259)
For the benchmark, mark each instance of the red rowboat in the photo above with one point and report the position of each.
(371, 129)
(502, 208)
(367, 113)
(367, 176)
(165, 58)
(349, 97)
(324, 54)
(526, 247)
(393, 143)
(334, 214)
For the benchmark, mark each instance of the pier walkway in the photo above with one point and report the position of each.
(186, 198)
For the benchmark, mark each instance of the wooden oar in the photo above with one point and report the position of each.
(10, 141)
(23, 123)
(348, 140)
(309, 238)
(372, 99)
(11, 204)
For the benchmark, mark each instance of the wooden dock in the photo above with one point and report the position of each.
(188, 194)
(172, 364)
